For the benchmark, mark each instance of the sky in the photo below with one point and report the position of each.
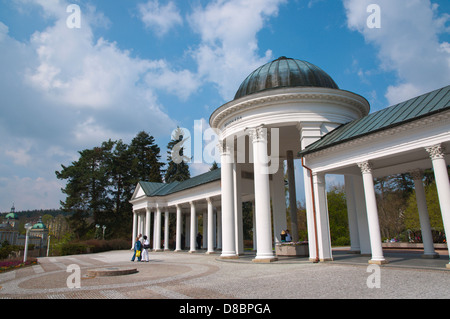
(72, 77)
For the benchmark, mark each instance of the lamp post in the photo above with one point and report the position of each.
(48, 245)
(27, 227)
(104, 227)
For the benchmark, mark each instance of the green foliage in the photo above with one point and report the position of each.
(101, 182)
(411, 217)
(337, 208)
(6, 250)
(178, 169)
(90, 246)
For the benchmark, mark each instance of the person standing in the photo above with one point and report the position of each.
(145, 249)
(137, 248)
(288, 236)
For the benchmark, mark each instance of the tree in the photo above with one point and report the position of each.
(411, 219)
(177, 169)
(102, 181)
(145, 158)
(214, 166)
(337, 208)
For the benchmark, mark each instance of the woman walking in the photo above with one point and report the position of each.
(145, 249)
(137, 248)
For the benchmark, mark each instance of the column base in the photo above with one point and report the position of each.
(326, 259)
(265, 260)
(158, 250)
(229, 257)
(210, 253)
(192, 251)
(431, 256)
(378, 262)
(177, 250)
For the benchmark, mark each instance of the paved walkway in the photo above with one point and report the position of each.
(171, 275)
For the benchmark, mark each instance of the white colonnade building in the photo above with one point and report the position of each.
(291, 109)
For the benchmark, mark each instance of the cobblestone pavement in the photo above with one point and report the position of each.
(171, 275)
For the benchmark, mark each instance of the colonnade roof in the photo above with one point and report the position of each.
(421, 106)
(163, 189)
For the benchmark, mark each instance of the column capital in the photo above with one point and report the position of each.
(365, 167)
(258, 133)
(435, 151)
(224, 149)
(417, 174)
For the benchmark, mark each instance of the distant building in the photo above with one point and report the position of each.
(9, 229)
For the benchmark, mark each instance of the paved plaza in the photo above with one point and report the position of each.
(182, 275)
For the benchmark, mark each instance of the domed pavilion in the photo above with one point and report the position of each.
(291, 109)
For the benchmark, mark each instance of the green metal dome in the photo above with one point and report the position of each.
(12, 216)
(285, 72)
(39, 225)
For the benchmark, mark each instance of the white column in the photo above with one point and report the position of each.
(179, 229)
(262, 195)
(372, 214)
(187, 235)
(147, 222)
(210, 227)
(158, 229)
(361, 216)
(311, 218)
(442, 184)
(193, 229)
(351, 214)
(134, 235)
(239, 227)
(154, 230)
(219, 227)
(205, 230)
(425, 227)
(323, 224)
(278, 203)
(166, 229)
(228, 233)
(139, 223)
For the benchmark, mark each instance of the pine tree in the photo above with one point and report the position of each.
(146, 165)
(177, 169)
(214, 166)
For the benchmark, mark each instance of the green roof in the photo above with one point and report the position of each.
(162, 189)
(285, 72)
(12, 216)
(410, 110)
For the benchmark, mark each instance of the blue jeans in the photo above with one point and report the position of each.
(134, 256)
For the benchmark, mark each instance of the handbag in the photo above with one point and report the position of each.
(138, 253)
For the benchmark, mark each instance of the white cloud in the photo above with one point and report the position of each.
(229, 48)
(30, 193)
(407, 43)
(160, 18)
(62, 91)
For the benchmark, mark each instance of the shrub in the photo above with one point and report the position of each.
(90, 246)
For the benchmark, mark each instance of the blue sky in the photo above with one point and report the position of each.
(152, 65)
